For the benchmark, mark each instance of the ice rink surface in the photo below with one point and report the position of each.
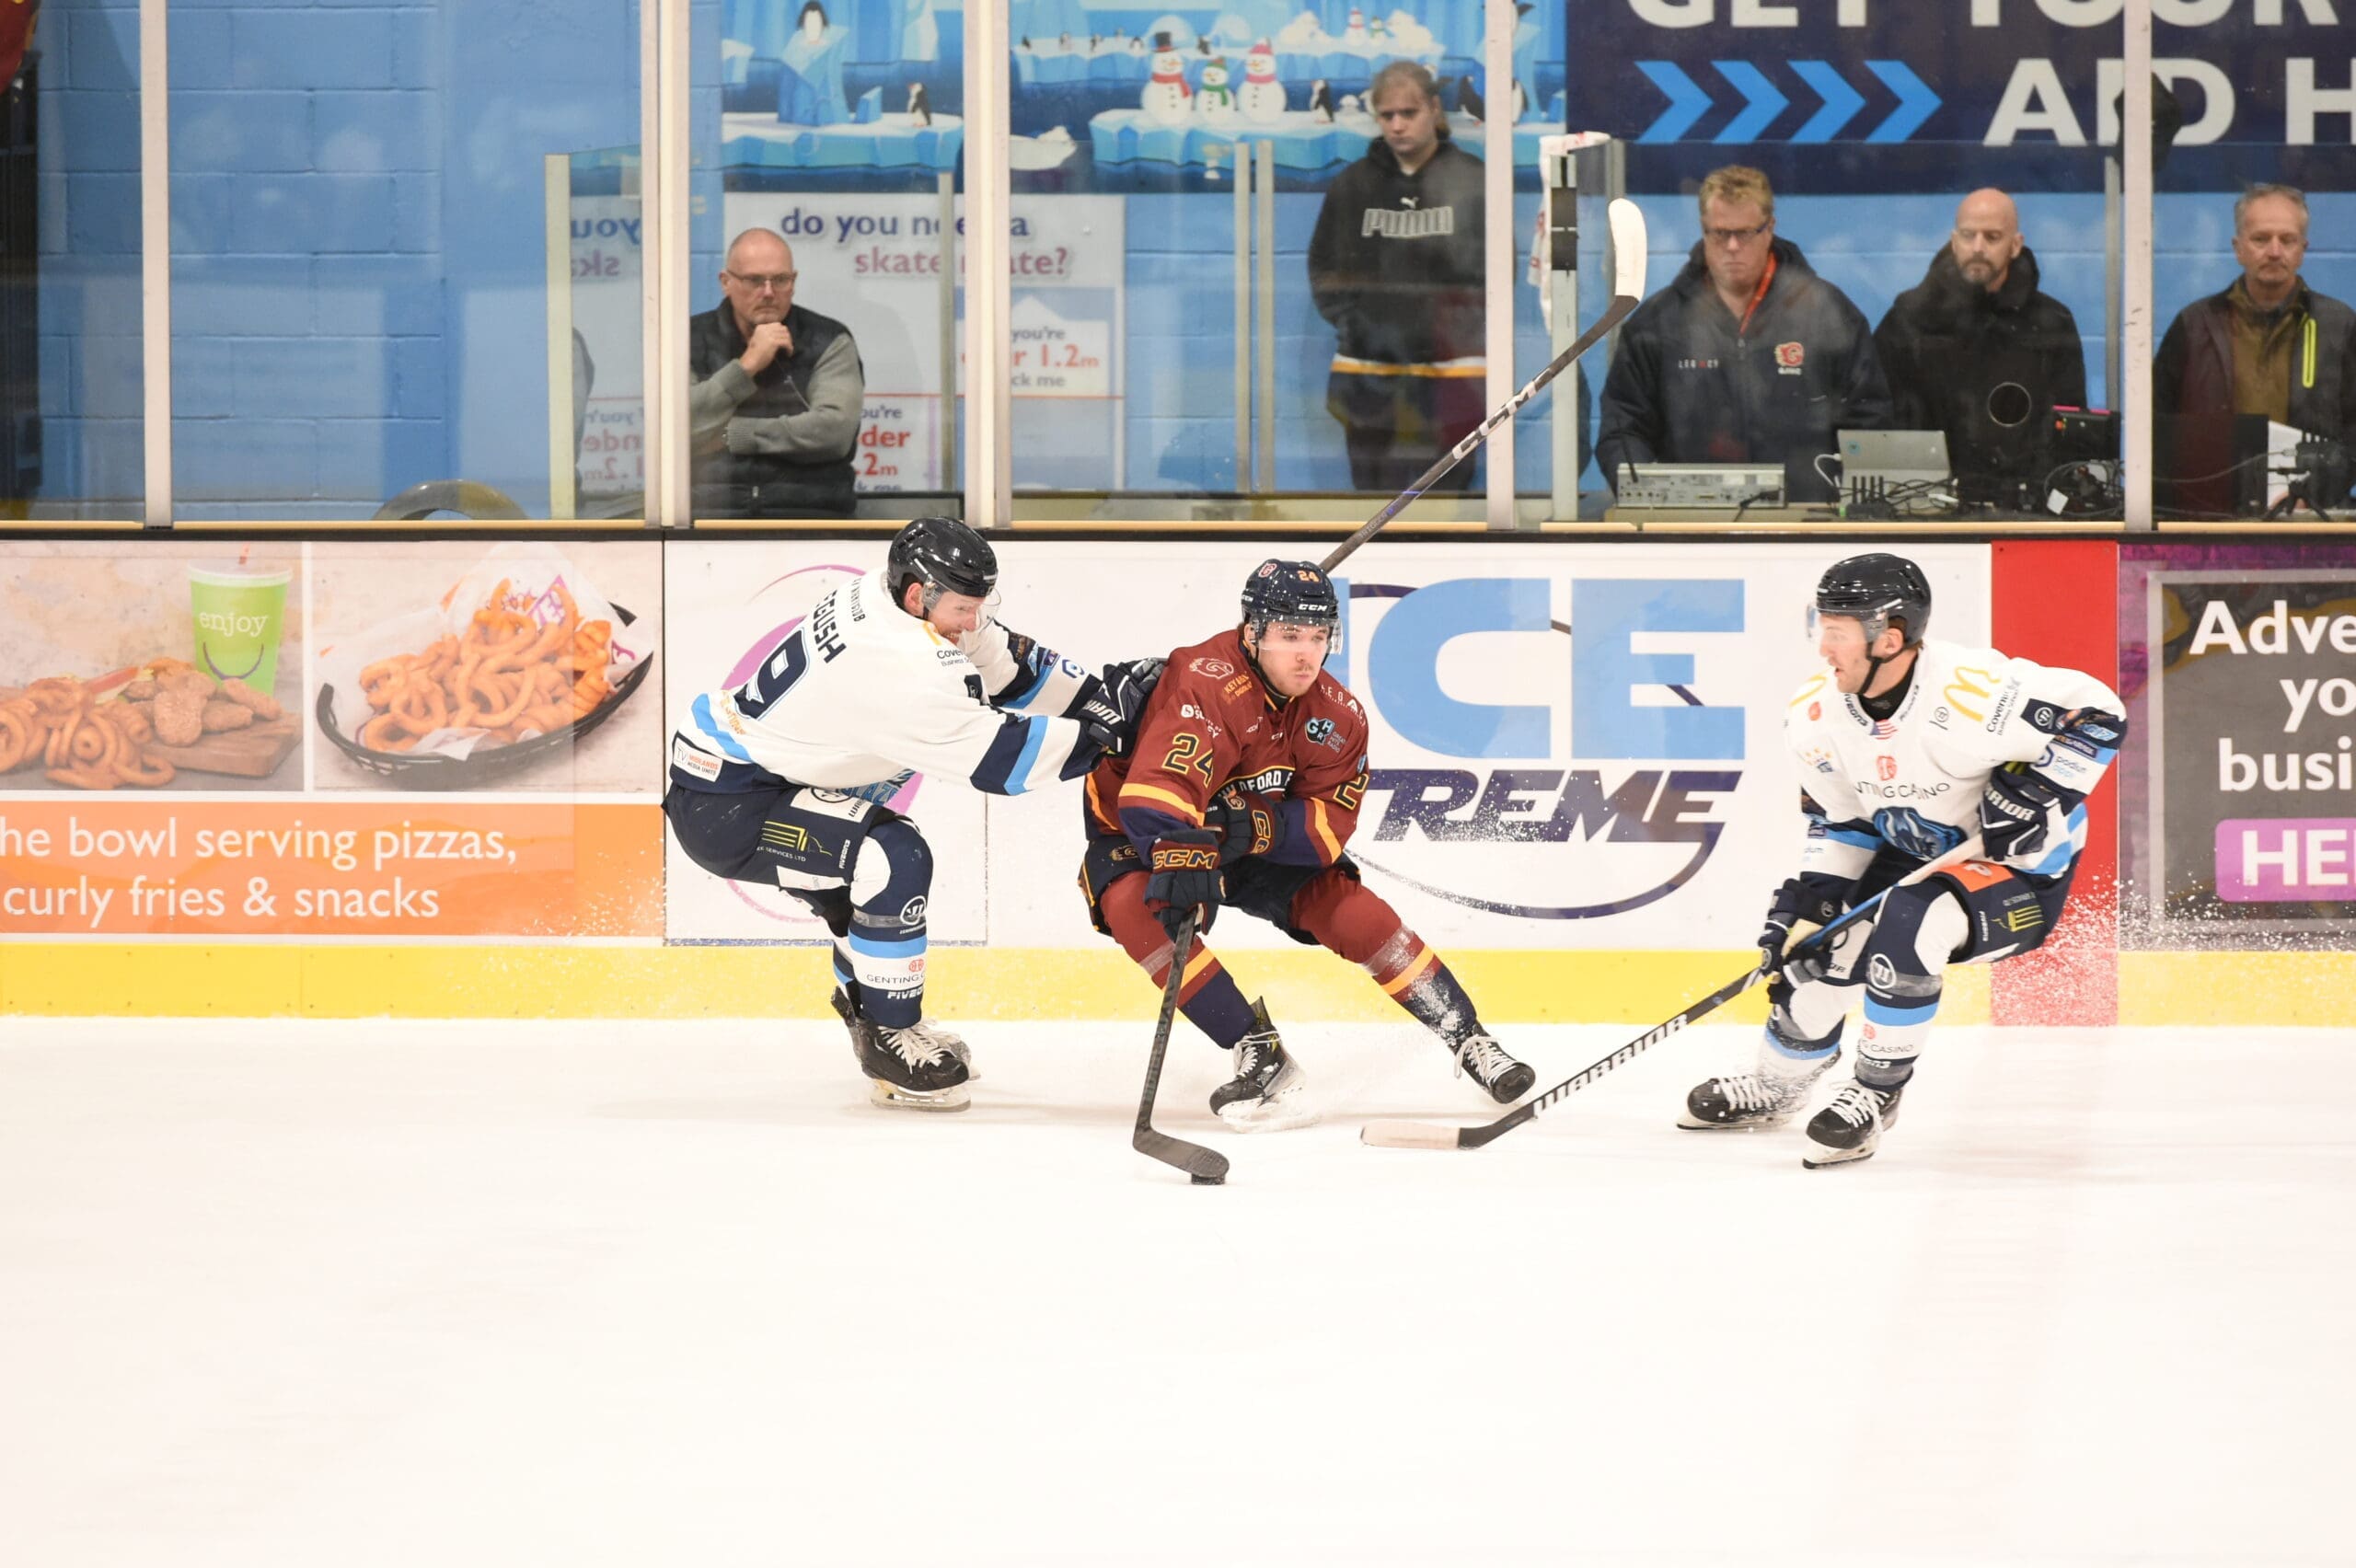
(290, 1295)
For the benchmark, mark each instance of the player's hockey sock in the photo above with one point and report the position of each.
(1207, 997)
(1904, 978)
(886, 945)
(1218, 1006)
(1787, 1050)
(1361, 926)
(1895, 1030)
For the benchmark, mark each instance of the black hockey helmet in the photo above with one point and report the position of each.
(944, 555)
(1293, 593)
(1877, 590)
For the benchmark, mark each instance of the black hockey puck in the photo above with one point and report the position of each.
(1209, 1181)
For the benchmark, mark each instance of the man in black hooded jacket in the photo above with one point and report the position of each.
(1747, 356)
(1975, 351)
(1395, 265)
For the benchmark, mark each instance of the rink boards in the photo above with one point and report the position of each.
(1583, 821)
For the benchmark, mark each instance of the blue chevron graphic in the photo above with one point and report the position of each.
(1841, 101)
(1916, 102)
(1761, 101)
(1687, 102)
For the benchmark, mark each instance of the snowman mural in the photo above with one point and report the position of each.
(1165, 91)
(1214, 98)
(1355, 31)
(1263, 96)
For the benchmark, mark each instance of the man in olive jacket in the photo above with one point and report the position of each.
(774, 408)
(1976, 351)
(1747, 356)
(2268, 348)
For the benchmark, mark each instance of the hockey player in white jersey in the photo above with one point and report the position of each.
(783, 781)
(1905, 748)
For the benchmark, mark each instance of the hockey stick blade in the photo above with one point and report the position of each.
(1627, 292)
(1207, 1167)
(1426, 1134)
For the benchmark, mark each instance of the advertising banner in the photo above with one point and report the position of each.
(2249, 783)
(1993, 72)
(872, 261)
(1624, 785)
(331, 741)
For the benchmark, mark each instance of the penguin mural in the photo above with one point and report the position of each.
(1320, 102)
(919, 104)
(1263, 96)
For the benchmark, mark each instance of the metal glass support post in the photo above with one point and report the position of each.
(945, 306)
(1559, 256)
(556, 192)
(1264, 339)
(989, 295)
(1497, 247)
(155, 263)
(2113, 249)
(667, 238)
(1244, 344)
(2135, 140)
(652, 334)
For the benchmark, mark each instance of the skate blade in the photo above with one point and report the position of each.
(1819, 1157)
(1690, 1125)
(893, 1097)
(1280, 1113)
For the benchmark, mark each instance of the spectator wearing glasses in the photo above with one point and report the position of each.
(2268, 348)
(1747, 356)
(775, 405)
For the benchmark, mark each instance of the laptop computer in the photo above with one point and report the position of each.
(1894, 458)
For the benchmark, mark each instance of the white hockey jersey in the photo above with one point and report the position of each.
(861, 694)
(1913, 781)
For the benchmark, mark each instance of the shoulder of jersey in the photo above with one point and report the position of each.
(1331, 697)
(1211, 674)
(1813, 699)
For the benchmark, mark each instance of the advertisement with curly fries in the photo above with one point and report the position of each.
(366, 741)
(175, 667)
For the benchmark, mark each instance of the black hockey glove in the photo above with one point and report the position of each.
(1246, 825)
(1183, 875)
(1811, 899)
(1110, 704)
(2020, 812)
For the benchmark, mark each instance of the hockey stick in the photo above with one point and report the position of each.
(1206, 1166)
(1627, 290)
(1424, 1135)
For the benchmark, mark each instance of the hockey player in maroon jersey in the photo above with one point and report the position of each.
(1243, 787)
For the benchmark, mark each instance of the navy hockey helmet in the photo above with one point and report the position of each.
(1292, 592)
(1877, 590)
(944, 555)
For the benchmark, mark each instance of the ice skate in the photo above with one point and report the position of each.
(1481, 1059)
(1850, 1126)
(920, 1068)
(1265, 1094)
(1748, 1101)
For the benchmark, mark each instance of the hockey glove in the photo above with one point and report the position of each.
(2023, 814)
(1110, 705)
(1246, 825)
(1183, 875)
(1809, 900)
